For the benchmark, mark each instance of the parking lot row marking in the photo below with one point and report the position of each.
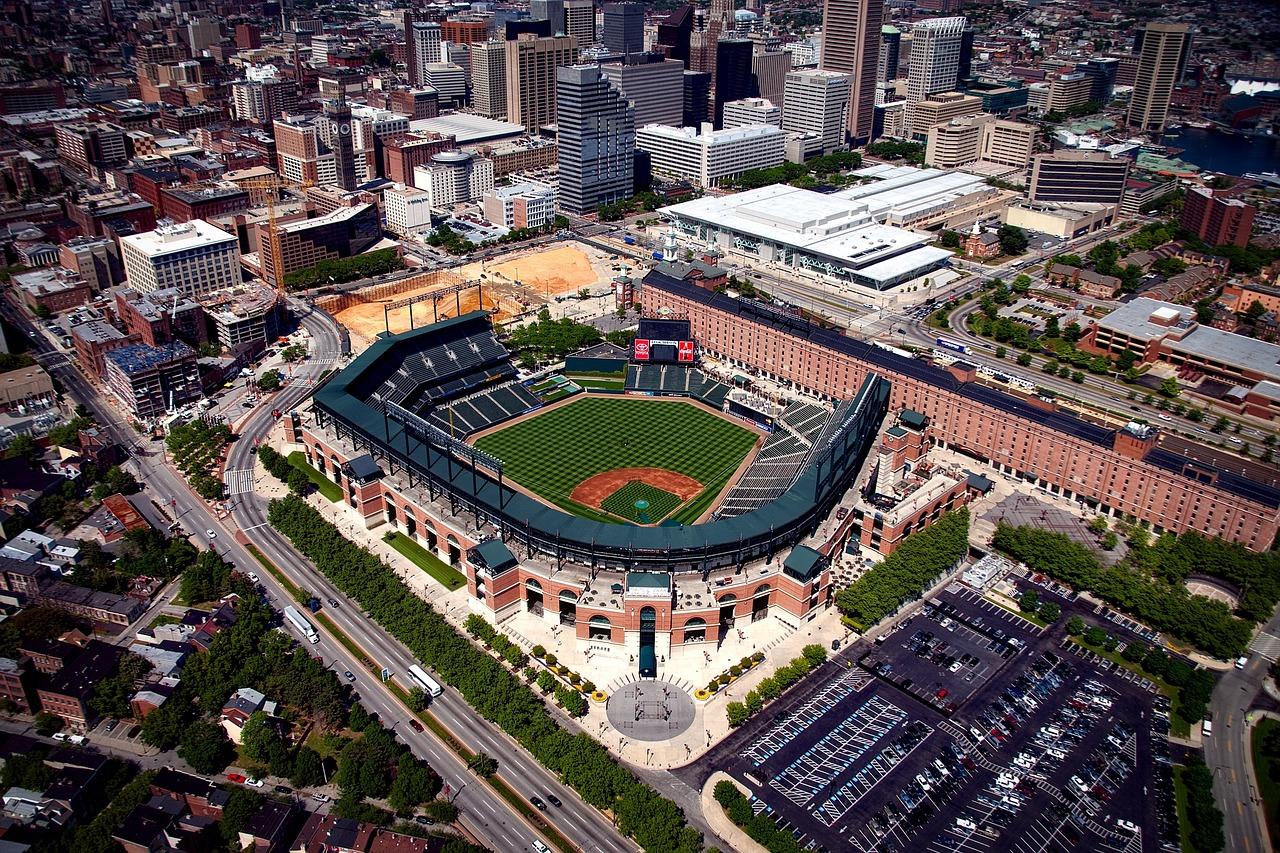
(848, 795)
(792, 724)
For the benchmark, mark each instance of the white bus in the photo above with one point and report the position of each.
(300, 622)
(419, 676)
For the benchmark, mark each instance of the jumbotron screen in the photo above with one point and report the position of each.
(663, 342)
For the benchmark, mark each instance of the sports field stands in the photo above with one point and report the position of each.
(800, 428)
(674, 379)
(485, 409)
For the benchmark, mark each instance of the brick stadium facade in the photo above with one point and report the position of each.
(1116, 471)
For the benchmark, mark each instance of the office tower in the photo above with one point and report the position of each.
(1101, 70)
(464, 31)
(1092, 176)
(984, 137)
(449, 80)
(263, 100)
(415, 103)
(851, 45)
(596, 138)
(816, 103)
(964, 68)
(426, 48)
(248, 37)
(531, 78)
(653, 84)
(322, 47)
(1216, 219)
(410, 54)
(751, 111)
(336, 132)
(1162, 55)
(527, 26)
(580, 21)
(709, 156)
(675, 33)
(890, 44)
(202, 33)
(551, 11)
(624, 27)
(733, 74)
(194, 257)
(489, 79)
(697, 99)
(769, 71)
(935, 62)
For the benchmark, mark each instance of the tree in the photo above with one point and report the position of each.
(1013, 240)
(298, 481)
(950, 239)
(1049, 611)
(1169, 387)
(116, 481)
(1095, 636)
(418, 699)
(737, 713)
(1001, 352)
(242, 804)
(1023, 359)
(482, 765)
(269, 381)
(308, 768)
(1075, 626)
(1029, 601)
(111, 695)
(257, 738)
(163, 727)
(413, 786)
(24, 447)
(205, 747)
(441, 811)
(47, 724)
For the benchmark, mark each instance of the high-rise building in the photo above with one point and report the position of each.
(531, 78)
(816, 103)
(410, 51)
(403, 153)
(551, 11)
(322, 47)
(751, 111)
(1162, 56)
(675, 34)
(449, 80)
(1216, 219)
(624, 27)
(964, 68)
(851, 45)
(710, 156)
(652, 83)
(194, 258)
(580, 21)
(415, 103)
(263, 100)
(596, 138)
(697, 99)
(935, 62)
(489, 79)
(1092, 176)
(202, 33)
(426, 37)
(890, 44)
(341, 233)
(769, 69)
(942, 107)
(336, 132)
(733, 74)
(1101, 70)
(248, 37)
(460, 31)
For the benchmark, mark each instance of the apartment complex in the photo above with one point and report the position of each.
(193, 258)
(1217, 219)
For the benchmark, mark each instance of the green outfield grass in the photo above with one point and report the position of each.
(555, 451)
(622, 503)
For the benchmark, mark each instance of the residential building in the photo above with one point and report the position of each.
(531, 77)
(149, 381)
(852, 33)
(709, 157)
(193, 257)
(939, 108)
(1088, 176)
(17, 684)
(935, 63)
(345, 232)
(370, 128)
(653, 84)
(817, 102)
(596, 140)
(489, 78)
(624, 27)
(580, 21)
(82, 146)
(402, 153)
(526, 205)
(66, 693)
(453, 178)
(748, 111)
(1161, 57)
(1217, 219)
(733, 74)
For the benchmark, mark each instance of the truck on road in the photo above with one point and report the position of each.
(300, 623)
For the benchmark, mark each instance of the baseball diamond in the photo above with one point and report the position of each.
(552, 455)
(640, 502)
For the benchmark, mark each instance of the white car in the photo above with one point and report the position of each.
(1241, 662)
(256, 783)
(1126, 825)
(253, 577)
(965, 823)
(211, 533)
(1206, 728)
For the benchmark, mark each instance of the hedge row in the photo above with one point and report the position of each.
(811, 657)
(655, 823)
(762, 828)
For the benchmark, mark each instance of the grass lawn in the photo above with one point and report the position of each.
(323, 484)
(164, 619)
(607, 384)
(450, 577)
(1268, 773)
(623, 503)
(554, 452)
(1184, 820)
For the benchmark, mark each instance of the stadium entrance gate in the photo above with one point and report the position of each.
(648, 658)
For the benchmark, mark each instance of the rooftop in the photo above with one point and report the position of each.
(137, 358)
(170, 239)
(467, 128)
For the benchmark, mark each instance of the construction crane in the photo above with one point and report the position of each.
(266, 190)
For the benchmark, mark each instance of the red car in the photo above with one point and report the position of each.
(236, 777)
(942, 694)
(417, 726)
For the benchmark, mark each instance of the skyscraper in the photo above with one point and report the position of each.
(890, 45)
(1161, 57)
(489, 79)
(964, 69)
(816, 103)
(337, 133)
(580, 21)
(549, 10)
(410, 55)
(733, 74)
(769, 71)
(697, 98)
(426, 48)
(624, 27)
(653, 84)
(596, 138)
(675, 33)
(935, 60)
(531, 78)
(851, 45)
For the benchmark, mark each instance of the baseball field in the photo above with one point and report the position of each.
(624, 460)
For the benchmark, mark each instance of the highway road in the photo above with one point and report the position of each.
(483, 812)
(1228, 752)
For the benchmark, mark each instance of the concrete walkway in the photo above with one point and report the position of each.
(719, 822)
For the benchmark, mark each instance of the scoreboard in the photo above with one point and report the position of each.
(663, 352)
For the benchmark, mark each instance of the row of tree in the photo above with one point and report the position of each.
(339, 270)
(904, 574)
(1203, 814)
(640, 812)
(760, 827)
(195, 447)
(1206, 623)
(282, 469)
(811, 657)
(546, 340)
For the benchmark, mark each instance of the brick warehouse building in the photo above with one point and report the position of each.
(1115, 471)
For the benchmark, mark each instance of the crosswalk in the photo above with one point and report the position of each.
(239, 481)
(1266, 645)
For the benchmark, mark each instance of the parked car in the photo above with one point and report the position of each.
(237, 778)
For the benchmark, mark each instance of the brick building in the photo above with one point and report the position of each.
(66, 693)
(182, 204)
(403, 153)
(1217, 219)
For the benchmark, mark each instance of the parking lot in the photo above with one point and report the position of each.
(1025, 745)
